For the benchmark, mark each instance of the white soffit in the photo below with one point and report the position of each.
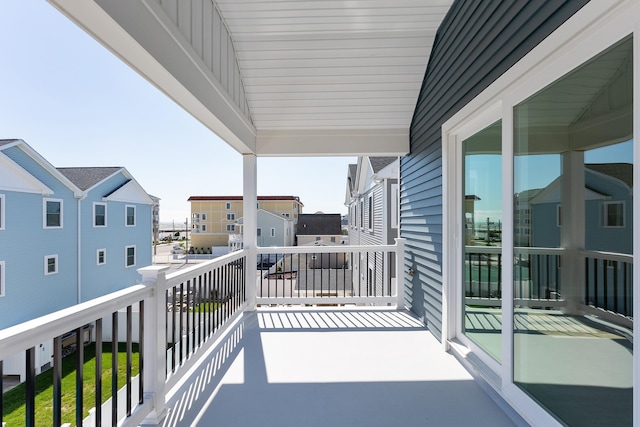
(344, 71)
(320, 77)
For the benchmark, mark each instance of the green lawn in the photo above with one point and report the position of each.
(14, 402)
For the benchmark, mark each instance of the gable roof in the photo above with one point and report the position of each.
(88, 177)
(379, 163)
(129, 192)
(319, 224)
(620, 171)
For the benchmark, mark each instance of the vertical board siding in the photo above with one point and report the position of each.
(203, 29)
(476, 43)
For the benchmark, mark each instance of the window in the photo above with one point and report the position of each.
(395, 200)
(259, 232)
(99, 215)
(613, 215)
(228, 206)
(231, 217)
(361, 213)
(130, 214)
(204, 227)
(273, 232)
(286, 215)
(370, 213)
(130, 256)
(333, 239)
(559, 215)
(52, 213)
(101, 257)
(203, 216)
(318, 238)
(1, 278)
(1, 211)
(231, 227)
(50, 264)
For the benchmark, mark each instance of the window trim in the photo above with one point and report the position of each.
(591, 30)
(104, 260)
(44, 213)
(46, 264)
(370, 212)
(273, 232)
(605, 215)
(228, 206)
(95, 217)
(231, 216)
(2, 276)
(126, 256)
(126, 215)
(2, 210)
(231, 227)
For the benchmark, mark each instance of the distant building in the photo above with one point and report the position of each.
(215, 218)
(67, 235)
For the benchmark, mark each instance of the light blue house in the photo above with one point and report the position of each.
(66, 235)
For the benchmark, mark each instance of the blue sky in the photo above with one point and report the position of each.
(78, 105)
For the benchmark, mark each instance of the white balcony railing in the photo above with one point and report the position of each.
(175, 318)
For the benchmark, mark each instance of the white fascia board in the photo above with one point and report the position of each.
(77, 192)
(14, 177)
(139, 33)
(131, 192)
(332, 142)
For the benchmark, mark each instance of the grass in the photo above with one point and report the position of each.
(14, 401)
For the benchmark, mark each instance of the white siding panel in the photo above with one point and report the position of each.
(217, 46)
(207, 33)
(196, 26)
(184, 18)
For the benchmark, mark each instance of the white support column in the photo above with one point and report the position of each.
(400, 273)
(250, 225)
(572, 276)
(155, 350)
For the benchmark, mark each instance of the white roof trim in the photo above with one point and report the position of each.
(131, 192)
(14, 177)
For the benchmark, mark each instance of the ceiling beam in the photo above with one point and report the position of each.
(332, 142)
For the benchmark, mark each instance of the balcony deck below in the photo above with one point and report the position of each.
(330, 367)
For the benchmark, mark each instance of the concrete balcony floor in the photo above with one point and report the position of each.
(330, 367)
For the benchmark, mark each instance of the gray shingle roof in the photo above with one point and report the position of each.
(621, 171)
(379, 163)
(85, 178)
(319, 224)
(6, 141)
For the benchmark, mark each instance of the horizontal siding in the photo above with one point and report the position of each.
(476, 43)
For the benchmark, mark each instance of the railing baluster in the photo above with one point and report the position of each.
(30, 387)
(114, 369)
(98, 386)
(488, 275)
(605, 285)
(180, 334)
(615, 286)
(1, 392)
(79, 376)
(141, 352)
(173, 328)
(129, 359)
(57, 381)
(596, 293)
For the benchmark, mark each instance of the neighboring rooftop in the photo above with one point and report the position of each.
(621, 171)
(86, 178)
(319, 224)
(239, 198)
(379, 163)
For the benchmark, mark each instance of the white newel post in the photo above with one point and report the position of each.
(154, 355)
(250, 225)
(400, 273)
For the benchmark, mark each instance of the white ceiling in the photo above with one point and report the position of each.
(281, 77)
(336, 64)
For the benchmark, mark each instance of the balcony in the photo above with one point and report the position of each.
(226, 343)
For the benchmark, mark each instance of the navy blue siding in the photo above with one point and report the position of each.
(476, 43)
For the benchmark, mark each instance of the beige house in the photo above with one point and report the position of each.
(214, 218)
